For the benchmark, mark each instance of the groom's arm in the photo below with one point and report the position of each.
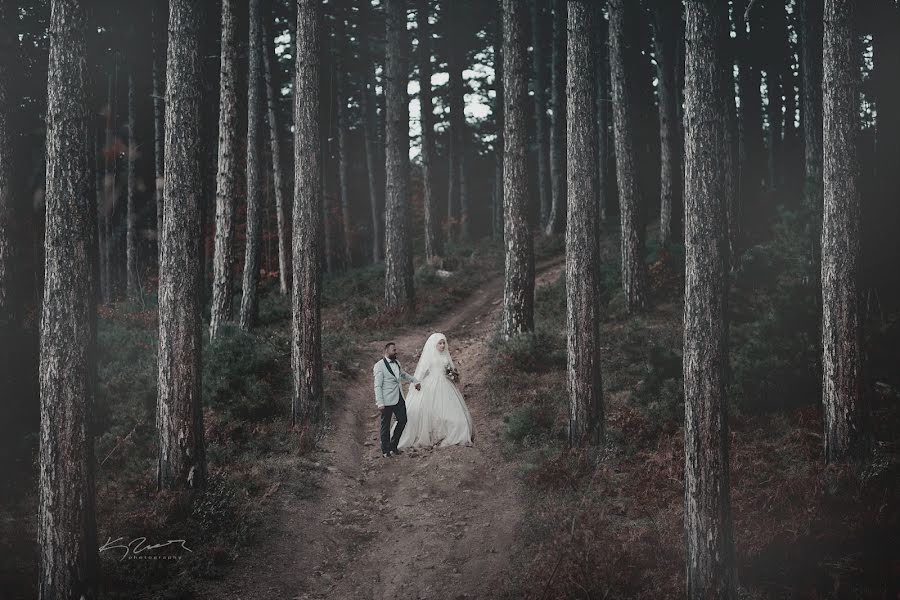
(379, 380)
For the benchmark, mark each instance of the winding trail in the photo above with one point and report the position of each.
(436, 524)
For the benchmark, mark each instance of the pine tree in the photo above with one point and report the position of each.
(541, 122)
(226, 177)
(433, 243)
(281, 202)
(518, 293)
(306, 332)
(556, 220)
(707, 493)
(250, 284)
(398, 289)
(623, 63)
(846, 413)
(583, 230)
(67, 534)
(179, 416)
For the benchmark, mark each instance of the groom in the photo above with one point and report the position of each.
(389, 397)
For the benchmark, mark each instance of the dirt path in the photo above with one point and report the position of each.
(428, 524)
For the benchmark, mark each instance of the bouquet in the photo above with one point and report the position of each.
(451, 373)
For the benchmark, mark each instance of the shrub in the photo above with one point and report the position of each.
(238, 374)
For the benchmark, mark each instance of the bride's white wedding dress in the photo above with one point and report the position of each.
(436, 414)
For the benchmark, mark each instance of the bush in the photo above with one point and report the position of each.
(774, 337)
(660, 393)
(238, 374)
(528, 424)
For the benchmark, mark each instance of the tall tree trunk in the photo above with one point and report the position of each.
(343, 127)
(518, 293)
(433, 246)
(583, 229)
(250, 293)
(556, 221)
(398, 289)
(846, 414)
(226, 175)
(539, 10)
(131, 250)
(370, 132)
(67, 531)
(667, 26)
(179, 417)
(463, 161)
(7, 52)
(707, 489)
(284, 249)
(306, 331)
(109, 193)
(603, 102)
(622, 60)
(811, 58)
(457, 122)
(497, 221)
(159, 117)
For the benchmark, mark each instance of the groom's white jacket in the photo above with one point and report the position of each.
(387, 384)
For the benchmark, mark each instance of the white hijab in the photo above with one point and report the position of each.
(433, 360)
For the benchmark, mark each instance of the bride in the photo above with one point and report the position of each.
(437, 413)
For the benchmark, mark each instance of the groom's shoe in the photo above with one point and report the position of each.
(396, 450)
(387, 454)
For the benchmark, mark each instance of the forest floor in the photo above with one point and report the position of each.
(431, 523)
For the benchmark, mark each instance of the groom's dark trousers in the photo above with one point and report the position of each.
(398, 410)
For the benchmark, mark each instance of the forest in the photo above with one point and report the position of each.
(660, 236)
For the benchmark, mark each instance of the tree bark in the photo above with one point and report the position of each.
(583, 230)
(250, 283)
(131, 250)
(556, 221)
(67, 532)
(846, 415)
(159, 117)
(622, 13)
(343, 127)
(667, 26)
(603, 102)
(433, 246)
(281, 203)
(109, 193)
(398, 289)
(7, 52)
(497, 221)
(226, 175)
(541, 122)
(518, 293)
(370, 132)
(707, 493)
(306, 332)
(179, 417)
